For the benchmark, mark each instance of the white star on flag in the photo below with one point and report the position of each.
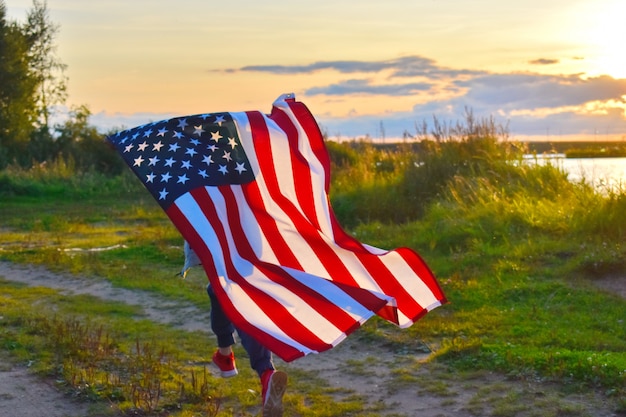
(198, 130)
(216, 136)
(138, 161)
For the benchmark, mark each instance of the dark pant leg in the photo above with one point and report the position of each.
(260, 356)
(220, 324)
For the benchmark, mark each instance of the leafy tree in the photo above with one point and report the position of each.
(17, 92)
(47, 71)
(44, 66)
(31, 84)
(78, 141)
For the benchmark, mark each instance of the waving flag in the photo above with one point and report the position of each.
(249, 192)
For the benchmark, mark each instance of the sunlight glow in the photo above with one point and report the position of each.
(608, 36)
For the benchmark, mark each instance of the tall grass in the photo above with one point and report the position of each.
(62, 178)
(396, 184)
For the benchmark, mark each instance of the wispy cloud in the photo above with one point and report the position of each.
(409, 66)
(507, 92)
(544, 61)
(366, 87)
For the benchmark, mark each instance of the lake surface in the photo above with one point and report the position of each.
(600, 172)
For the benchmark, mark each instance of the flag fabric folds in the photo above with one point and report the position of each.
(249, 192)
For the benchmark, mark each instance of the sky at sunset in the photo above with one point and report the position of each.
(550, 69)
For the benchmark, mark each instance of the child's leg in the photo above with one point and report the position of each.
(273, 383)
(220, 324)
(260, 356)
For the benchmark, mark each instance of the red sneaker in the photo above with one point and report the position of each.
(226, 363)
(274, 384)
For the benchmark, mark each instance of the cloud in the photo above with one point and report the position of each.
(544, 61)
(571, 123)
(414, 62)
(508, 92)
(409, 66)
(360, 87)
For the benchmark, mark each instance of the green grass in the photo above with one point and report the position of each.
(516, 249)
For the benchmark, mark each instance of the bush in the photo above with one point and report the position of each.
(75, 142)
(395, 184)
(62, 177)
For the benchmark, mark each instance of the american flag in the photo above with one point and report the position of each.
(249, 192)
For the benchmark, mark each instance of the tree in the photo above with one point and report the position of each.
(17, 92)
(44, 65)
(81, 143)
(31, 84)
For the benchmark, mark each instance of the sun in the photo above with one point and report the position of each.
(606, 37)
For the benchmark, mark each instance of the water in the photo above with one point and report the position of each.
(603, 173)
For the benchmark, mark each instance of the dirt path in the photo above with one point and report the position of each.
(25, 395)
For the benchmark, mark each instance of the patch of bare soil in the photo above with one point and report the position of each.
(23, 394)
(614, 284)
(351, 368)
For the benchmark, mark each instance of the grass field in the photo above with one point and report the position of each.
(516, 249)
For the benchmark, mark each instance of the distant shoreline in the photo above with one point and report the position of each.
(604, 149)
(564, 149)
(608, 153)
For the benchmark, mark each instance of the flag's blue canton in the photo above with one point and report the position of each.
(172, 157)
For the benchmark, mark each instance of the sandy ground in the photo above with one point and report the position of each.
(25, 395)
